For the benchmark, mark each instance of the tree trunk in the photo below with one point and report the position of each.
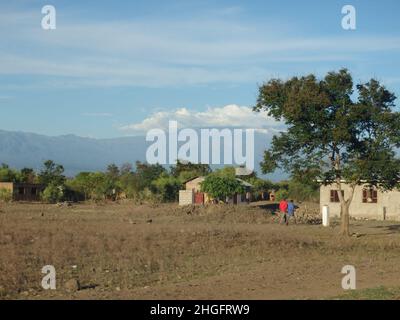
(345, 217)
(344, 212)
(344, 204)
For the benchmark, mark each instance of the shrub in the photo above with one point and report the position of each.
(167, 188)
(53, 193)
(304, 191)
(5, 195)
(147, 196)
(220, 187)
(281, 194)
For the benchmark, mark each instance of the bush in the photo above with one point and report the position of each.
(147, 196)
(304, 191)
(167, 188)
(281, 194)
(5, 195)
(220, 187)
(53, 194)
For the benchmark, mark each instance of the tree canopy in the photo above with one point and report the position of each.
(52, 173)
(185, 170)
(220, 187)
(333, 135)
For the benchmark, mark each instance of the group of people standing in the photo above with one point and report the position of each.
(286, 209)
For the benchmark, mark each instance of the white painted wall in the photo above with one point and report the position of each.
(390, 200)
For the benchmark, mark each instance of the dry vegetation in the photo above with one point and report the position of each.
(126, 251)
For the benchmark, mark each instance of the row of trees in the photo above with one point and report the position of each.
(145, 182)
(51, 176)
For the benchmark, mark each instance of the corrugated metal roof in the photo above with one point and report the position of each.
(243, 171)
(245, 183)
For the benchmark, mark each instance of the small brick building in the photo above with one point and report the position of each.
(23, 191)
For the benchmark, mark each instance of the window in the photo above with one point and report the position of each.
(370, 195)
(335, 195)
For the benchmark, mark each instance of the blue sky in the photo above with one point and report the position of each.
(113, 68)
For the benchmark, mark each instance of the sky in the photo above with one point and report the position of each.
(116, 68)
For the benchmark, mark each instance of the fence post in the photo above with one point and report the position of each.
(325, 216)
(384, 213)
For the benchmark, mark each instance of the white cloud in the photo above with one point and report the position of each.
(167, 52)
(214, 117)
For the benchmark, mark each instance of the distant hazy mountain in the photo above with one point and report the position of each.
(21, 149)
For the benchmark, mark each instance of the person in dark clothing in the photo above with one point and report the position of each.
(290, 212)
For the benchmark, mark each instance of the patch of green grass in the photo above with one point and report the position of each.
(379, 293)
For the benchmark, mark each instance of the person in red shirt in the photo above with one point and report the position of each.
(283, 205)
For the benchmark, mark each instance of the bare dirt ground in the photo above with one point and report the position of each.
(127, 251)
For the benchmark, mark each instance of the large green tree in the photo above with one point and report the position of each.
(28, 175)
(167, 187)
(147, 173)
(220, 187)
(52, 173)
(332, 134)
(7, 174)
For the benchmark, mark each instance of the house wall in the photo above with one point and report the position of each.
(387, 201)
(31, 192)
(23, 191)
(186, 197)
(7, 185)
(194, 184)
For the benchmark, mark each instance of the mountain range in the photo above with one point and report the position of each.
(75, 153)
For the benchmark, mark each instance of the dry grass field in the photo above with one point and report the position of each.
(127, 251)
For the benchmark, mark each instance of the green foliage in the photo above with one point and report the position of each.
(111, 184)
(7, 174)
(81, 184)
(331, 136)
(284, 184)
(112, 171)
(110, 188)
(130, 184)
(378, 293)
(97, 188)
(146, 195)
(28, 175)
(5, 195)
(167, 187)
(281, 194)
(90, 184)
(149, 182)
(147, 173)
(187, 170)
(303, 191)
(220, 187)
(227, 172)
(117, 181)
(259, 186)
(51, 173)
(52, 193)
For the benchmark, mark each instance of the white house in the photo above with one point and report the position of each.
(367, 202)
